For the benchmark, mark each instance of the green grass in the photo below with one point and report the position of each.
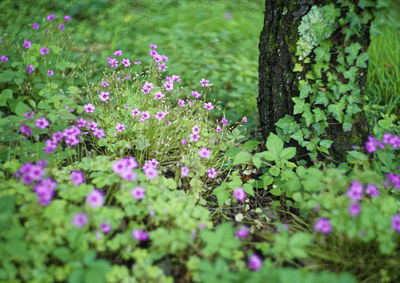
(383, 82)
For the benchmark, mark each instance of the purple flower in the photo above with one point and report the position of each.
(138, 193)
(50, 73)
(396, 223)
(95, 198)
(29, 115)
(153, 46)
(30, 68)
(219, 129)
(89, 108)
(162, 67)
(158, 95)
(4, 58)
(120, 127)
(92, 126)
(242, 232)
(372, 190)
(80, 220)
(151, 173)
(147, 87)
(239, 194)
(51, 17)
(77, 177)
(135, 112)
(205, 82)
(118, 53)
(25, 130)
(355, 192)
(145, 116)
(184, 142)
(169, 85)
(181, 102)
(323, 225)
(394, 179)
(244, 119)
(137, 63)
(185, 171)
(370, 144)
(160, 115)
(35, 26)
(44, 50)
(51, 145)
(255, 262)
(42, 123)
(208, 106)
(104, 84)
(104, 96)
(67, 18)
(99, 133)
(224, 121)
(212, 173)
(354, 209)
(126, 62)
(228, 16)
(140, 235)
(27, 44)
(45, 191)
(113, 62)
(204, 153)
(61, 27)
(105, 227)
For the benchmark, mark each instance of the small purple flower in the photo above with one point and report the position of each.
(29, 115)
(244, 119)
(181, 102)
(185, 171)
(137, 63)
(284, 226)
(255, 262)
(118, 53)
(205, 82)
(323, 225)
(45, 191)
(228, 16)
(184, 142)
(208, 106)
(95, 198)
(212, 173)
(50, 73)
(355, 192)
(25, 130)
(67, 18)
(104, 96)
(138, 193)
(140, 235)
(372, 190)
(4, 58)
(354, 209)
(239, 194)
(80, 220)
(126, 62)
(89, 108)
(204, 153)
(99, 133)
(105, 227)
(120, 127)
(51, 17)
(35, 26)
(44, 50)
(30, 68)
(77, 177)
(224, 121)
(396, 223)
(42, 123)
(151, 173)
(61, 27)
(242, 232)
(27, 44)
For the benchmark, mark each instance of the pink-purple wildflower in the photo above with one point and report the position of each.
(50, 73)
(255, 262)
(185, 171)
(212, 173)
(42, 123)
(204, 153)
(140, 235)
(35, 26)
(45, 191)
(95, 198)
(323, 225)
(89, 108)
(242, 232)
(138, 193)
(27, 44)
(30, 68)
(120, 127)
(77, 177)
(25, 130)
(355, 192)
(239, 194)
(396, 223)
(80, 220)
(126, 62)
(208, 106)
(44, 50)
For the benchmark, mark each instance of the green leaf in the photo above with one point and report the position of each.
(299, 105)
(241, 158)
(276, 192)
(356, 156)
(274, 144)
(287, 124)
(21, 108)
(248, 189)
(222, 194)
(6, 76)
(288, 153)
(256, 161)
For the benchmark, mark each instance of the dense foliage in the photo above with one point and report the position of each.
(120, 165)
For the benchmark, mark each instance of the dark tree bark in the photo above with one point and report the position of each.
(278, 84)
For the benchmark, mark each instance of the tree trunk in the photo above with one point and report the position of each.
(278, 84)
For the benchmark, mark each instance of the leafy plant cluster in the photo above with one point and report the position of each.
(125, 176)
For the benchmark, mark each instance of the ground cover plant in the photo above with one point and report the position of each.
(120, 167)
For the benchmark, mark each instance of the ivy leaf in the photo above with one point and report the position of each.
(298, 136)
(299, 105)
(287, 124)
(352, 51)
(305, 89)
(362, 60)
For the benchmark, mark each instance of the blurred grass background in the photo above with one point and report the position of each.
(217, 40)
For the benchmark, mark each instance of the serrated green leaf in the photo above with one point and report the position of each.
(288, 153)
(274, 144)
(241, 158)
